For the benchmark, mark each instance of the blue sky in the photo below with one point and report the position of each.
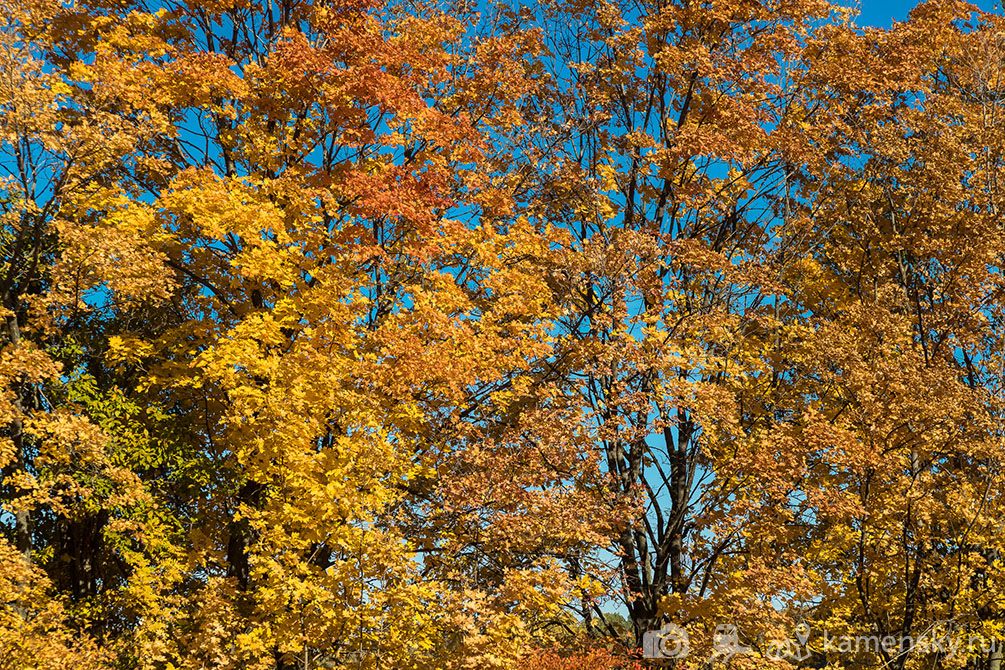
(880, 13)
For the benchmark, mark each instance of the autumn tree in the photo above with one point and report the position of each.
(710, 158)
(287, 337)
(679, 127)
(905, 291)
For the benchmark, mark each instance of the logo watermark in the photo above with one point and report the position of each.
(794, 648)
(726, 642)
(672, 641)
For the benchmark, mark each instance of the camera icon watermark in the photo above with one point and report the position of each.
(670, 641)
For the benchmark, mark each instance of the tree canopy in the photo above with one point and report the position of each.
(367, 334)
